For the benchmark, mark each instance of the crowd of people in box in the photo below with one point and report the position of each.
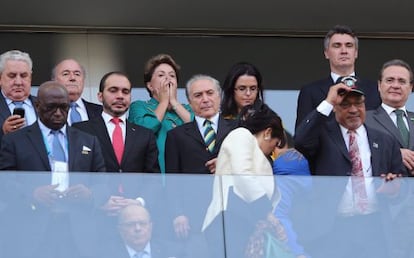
(217, 177)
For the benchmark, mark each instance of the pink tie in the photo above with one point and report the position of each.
(357, 173)
(117, 140)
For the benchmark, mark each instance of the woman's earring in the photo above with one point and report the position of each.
(267, 138)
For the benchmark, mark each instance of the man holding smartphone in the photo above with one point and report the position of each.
(16, 104)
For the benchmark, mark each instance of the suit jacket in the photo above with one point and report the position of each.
(93, 110)
(380, 120)
(5, 111)
(30, 222)
(159, 249)
(320, 140)
(140, 155)
(312, 94)
(186, 152)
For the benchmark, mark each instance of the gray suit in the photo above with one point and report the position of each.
(380, 120)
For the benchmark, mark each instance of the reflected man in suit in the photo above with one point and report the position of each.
(135, 229)
(54, 219)
(71, 74)
(341, 50)
(16, 83)
(360, 211)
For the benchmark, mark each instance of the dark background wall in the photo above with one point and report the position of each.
(286, 62)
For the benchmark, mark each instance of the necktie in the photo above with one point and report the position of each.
(117, 139)
(74, 113)
(139, 255)
(209, 136)
(58, 152)
(18, 104)
(405, 135)
(357, 174)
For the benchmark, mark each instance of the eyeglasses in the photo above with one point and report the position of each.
(244, 89)
(129, 224)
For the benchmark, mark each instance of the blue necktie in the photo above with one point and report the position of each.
(74, 113)
(18, 104)
(58, 152)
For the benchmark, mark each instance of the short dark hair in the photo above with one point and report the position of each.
(105, 77)
(259, 116)
(154, 62)
(228, 104)
(397, 62)
(339, 29)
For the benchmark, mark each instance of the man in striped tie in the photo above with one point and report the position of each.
(193, 148)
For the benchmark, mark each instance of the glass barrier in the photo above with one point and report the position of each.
(102, 215)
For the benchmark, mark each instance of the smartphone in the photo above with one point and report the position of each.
(19, 111)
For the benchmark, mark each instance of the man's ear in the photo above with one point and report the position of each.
(99, 95)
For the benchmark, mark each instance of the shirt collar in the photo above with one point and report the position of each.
(335, 76)
(132, 252)
(46, 130)
(9, 101)
(390, 109)
(200, 120)
(107, 117)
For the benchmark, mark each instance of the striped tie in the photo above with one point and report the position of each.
(209, 136)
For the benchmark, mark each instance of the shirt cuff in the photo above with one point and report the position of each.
(325, 108)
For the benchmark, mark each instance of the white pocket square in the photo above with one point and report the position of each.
(86, 150)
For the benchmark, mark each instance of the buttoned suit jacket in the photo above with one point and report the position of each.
(93, 110)
(186, 152)
(5, 111)
(312, 94)
(25, 151)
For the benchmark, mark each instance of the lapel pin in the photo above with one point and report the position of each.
(375, 145)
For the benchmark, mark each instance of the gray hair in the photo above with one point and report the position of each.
(198, 77)
(15, 55)
(54, 75)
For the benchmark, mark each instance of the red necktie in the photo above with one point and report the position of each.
(357, 173)
(117, 140)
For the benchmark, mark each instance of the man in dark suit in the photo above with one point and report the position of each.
(187, 152)
(140, 150)
(357, 207)
(72, 74)
(44, 215)
(135, 238)
(341, 49)
(395, 85)
(16, 83)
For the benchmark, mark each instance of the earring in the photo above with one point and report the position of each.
(267, 138)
